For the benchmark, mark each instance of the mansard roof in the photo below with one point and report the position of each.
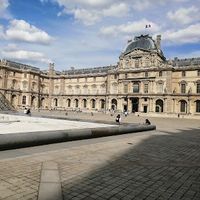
(89, 70)
(143, 42)
(21, 66)
(186, 62)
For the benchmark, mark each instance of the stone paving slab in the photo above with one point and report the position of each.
(162, 164)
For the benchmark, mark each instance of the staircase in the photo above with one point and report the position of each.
(5, 105)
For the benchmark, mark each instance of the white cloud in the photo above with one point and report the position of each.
(131, 28)
(88, 18)
(13, 52)
(23, 31)
(3, 9)
(89, 11)
(181, 36)
(185, 15)
(116, 10)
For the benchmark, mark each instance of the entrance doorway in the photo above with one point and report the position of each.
(125, 108)
(145, 109)
(135, 104)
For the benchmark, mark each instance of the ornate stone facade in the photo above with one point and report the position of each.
(143, 81)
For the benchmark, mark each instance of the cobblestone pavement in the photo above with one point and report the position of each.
(161, 164)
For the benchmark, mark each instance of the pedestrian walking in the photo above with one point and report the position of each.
(118, 119)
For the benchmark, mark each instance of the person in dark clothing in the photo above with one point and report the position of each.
(28, 112)
(118, 119)
(147, 122)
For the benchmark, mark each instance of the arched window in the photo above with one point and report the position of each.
(55, 102)
(23, 99)
(183, 106)
(102, 103)
(159, 105)
(68, 103)
(93, 103)
(33, 101)
(76, 103)
(198, 106)
(84, 103)
(42, 103)
(114, 104)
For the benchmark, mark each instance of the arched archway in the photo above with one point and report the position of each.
(183, 106)
(55, 102)
(102, 104)
(42, 102)
(33, 101)
(84, 103)
(159, 106)
(76, 103)
(14, 100)
(198, 106)
(68, 103)
(93, 103)
(114, 104)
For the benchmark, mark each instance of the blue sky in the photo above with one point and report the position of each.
(90, 33)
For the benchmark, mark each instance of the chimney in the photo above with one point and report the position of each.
(158, 41)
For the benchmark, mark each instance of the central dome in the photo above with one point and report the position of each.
(142, 42)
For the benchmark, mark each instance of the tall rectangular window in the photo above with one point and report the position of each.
(136, 88)
(160, 74)
(24, 100)
(198, 72)
(198, 106)
(198, 88)
(126, 88)
(183, 88)
(183, 73)
(146, 88)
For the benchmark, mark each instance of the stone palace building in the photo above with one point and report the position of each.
(143, 81)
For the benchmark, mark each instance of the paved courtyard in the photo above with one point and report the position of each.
(161, 164)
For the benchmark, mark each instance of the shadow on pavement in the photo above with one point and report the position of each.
(164, 166)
